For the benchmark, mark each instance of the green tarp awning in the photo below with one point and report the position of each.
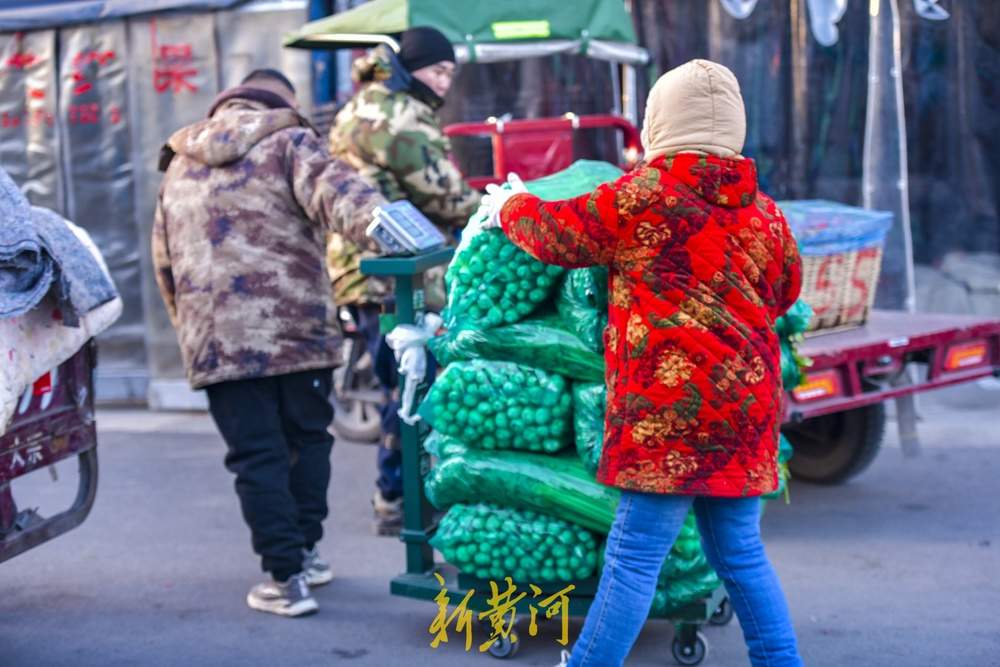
(487, 30)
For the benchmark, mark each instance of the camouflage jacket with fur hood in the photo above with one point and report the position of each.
(244, 210)
(390, 133)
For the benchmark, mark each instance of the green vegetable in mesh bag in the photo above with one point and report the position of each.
(494, 542)
(491, 281)
(795, 321)
(558, 486)
(791, 372)
(579, 178)
(686, 575)
(542, 343)
(793, 364)
(790, 327)
(582, 303)
(589, 405)
(442, 446)
(784, 453)
(500, 405)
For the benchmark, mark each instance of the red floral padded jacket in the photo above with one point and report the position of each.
(701, 264)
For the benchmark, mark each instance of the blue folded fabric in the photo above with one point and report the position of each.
(82, 284)
(26, 268)
(38, 252)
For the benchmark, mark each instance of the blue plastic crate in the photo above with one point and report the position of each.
(829, 228)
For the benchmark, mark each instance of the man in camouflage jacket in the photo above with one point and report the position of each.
(248, 199)
(390, 133)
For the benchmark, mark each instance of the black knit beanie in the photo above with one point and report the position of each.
(423, 46)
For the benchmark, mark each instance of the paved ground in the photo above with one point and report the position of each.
(900, 567)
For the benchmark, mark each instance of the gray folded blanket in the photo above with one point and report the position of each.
(26, 269)
(81, 284)
(38, 252)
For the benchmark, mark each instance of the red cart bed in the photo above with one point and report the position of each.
(835, 418)
(54, 421)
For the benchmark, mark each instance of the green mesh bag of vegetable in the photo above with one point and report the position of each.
(784, 453)
(558, 486)
(589, 405)
(500, 405)
(686, 575)
(790, 328)
(442, 446)
(791, 372)
(543, 343)
(490, 281)
(795, 321)
(579, 178)
(582, 303)
(494, 542)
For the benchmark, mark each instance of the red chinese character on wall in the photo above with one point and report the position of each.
(16, 64)
(84, 114)
(173, 65)
(8, 120)
(39, 117)
(20, 59)
(83, 66)
(81, 60)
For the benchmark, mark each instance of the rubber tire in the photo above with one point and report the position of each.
(505, 647)
(366, 429)
(834, 448)
(696, 658)
(355, 419)
(723, 615)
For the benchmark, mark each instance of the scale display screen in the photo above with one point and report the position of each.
(399, 228)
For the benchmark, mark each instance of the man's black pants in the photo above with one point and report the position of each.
(279, 449)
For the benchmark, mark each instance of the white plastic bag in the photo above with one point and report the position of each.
(409, 343)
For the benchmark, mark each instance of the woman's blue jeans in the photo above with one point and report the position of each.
(645, 528)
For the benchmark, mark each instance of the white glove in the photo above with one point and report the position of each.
(496, 196)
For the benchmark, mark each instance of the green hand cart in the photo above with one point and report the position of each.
(419, 581)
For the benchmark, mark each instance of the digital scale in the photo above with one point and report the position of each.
(400, 229)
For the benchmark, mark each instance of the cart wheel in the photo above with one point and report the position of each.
(357, 396)
(690, 652)
(505, 647)
(834, 448)
(723, 615)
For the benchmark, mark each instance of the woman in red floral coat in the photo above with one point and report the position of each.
(701, 264)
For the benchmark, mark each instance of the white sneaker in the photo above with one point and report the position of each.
(316, 570)
(291, 598)
(563, 659)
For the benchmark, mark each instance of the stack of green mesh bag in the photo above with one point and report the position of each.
(517, 416)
